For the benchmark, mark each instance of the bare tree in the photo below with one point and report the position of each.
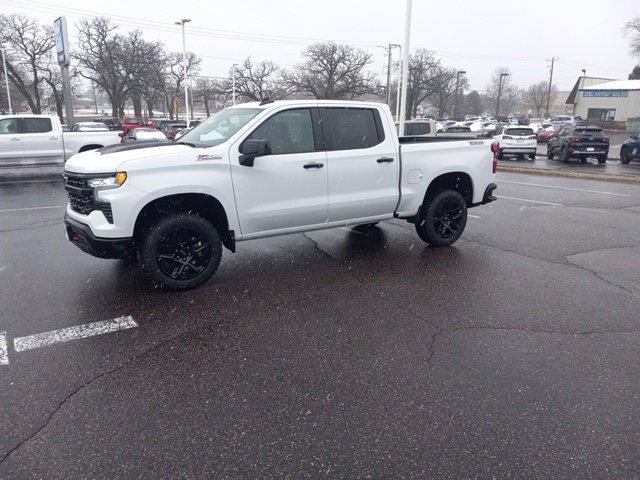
(472, 103)
(635, 73)
(333, 71)
(535, 97)
(256, 81)
(30, 44)
(176, 78)
(422, 82)
(503, 89)
(632, 30)
(207, 90)
(445, 83)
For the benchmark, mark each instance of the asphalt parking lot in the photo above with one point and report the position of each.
(335, 354)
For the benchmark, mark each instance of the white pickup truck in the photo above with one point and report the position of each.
(270, 168)
(38, 139)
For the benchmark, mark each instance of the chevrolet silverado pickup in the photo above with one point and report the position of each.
(38, 139)
(270, 168)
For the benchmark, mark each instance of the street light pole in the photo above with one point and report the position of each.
(405, 67)
(455, 105)
(185, 65)
(502, 75)
(6, 79)
(399, 86)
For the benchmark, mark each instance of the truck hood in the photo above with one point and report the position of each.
(110, 159)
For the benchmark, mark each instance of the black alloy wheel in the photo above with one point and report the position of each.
(183, 254)
(448, 219)
(443, 219)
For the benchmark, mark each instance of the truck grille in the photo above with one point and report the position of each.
(81, 197)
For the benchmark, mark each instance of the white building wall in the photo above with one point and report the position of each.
(626, 107)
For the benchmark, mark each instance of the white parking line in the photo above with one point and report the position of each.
(532, 201)
(4, 356)
(32, 208)
(565, 188)
(472, 216)
(73, 333)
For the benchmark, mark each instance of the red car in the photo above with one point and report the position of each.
(545, 135)
(174, 129)
(129, 123)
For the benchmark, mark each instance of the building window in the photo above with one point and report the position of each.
(601, 114)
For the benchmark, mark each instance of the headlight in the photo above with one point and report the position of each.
(108, 182)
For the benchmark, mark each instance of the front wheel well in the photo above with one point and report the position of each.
(459, 181)
(199, 204)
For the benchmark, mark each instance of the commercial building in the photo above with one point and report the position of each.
(608, 103)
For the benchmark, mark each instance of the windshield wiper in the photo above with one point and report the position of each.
(193, 145)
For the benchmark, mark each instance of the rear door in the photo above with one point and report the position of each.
(40, 142)
(11, 151)
(363, 163)
(286, 189)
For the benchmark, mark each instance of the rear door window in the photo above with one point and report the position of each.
(351, 128)
(36, 125)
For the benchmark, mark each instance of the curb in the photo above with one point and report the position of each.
(607, 177)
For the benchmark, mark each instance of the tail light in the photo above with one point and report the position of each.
(495, 148)
(507, 137)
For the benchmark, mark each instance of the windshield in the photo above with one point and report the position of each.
(219, 128)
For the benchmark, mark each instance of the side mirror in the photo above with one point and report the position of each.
(251, 149)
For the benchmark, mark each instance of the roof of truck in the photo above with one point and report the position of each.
(307, 102)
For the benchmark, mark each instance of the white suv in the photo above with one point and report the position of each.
(516, 140)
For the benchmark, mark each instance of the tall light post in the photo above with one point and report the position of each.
(6, 79)
(233, 83)
(185, 65)
(399, 85)
(502, 75)
(455, 105)
(405, 67)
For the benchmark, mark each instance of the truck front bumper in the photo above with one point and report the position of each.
(82, 237)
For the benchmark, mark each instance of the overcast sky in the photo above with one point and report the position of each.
(476, 36)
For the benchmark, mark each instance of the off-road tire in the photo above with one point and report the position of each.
(431, 223)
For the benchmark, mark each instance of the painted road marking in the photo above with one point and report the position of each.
(32, 208)
(73, 333)
(565, 188)
(4, 356)
(532, 201)
(472, 216)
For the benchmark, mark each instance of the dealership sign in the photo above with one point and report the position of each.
(605, 93)
(62, 41)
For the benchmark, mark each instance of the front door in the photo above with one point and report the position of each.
(288, 187)
(11, 151)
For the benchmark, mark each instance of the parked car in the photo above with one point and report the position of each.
(129, 123)
(172, 130)
(89, 127)
(581, 142)
(143, 133)
(516, 140)
(630, 149)
(419, 127)
(548, 133)
(444, 124)
(34, 139)
(456, 129)
(257, 170)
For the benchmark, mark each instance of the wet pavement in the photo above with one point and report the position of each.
(513, 354)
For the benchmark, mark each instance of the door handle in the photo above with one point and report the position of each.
(313, 165)
(53, 138)
(15, 139)
(385, 160)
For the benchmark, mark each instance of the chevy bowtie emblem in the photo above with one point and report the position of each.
(201, 158)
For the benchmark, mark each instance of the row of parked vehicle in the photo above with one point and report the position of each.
(133, 129)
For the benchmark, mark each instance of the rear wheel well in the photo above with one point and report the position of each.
(459, 181)
(199, 204)
(84, 148)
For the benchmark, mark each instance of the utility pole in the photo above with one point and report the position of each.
(553, 60)
(233, 83)
(388, 48)
(455, 105)
(184, 67)
(6, 79)
(405, 67)
(502, 75)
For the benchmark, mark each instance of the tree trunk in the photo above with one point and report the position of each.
(150, 108)
(137, 105)
(206, 106)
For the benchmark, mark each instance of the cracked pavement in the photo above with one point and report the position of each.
(513, 354)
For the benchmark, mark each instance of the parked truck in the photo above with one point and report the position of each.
(38, 139)
(270, 168)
